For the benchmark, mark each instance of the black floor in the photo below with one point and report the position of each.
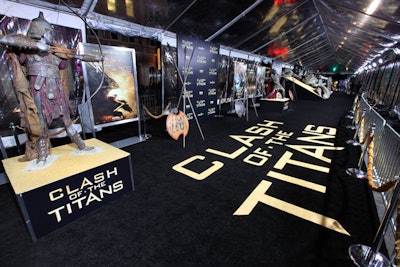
(172, 219)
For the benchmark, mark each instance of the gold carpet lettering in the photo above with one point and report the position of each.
(316, 143)
(316, 133)
(257, 158)
(287, 159)
(279, 138)
(259, 196)
(180, 167)
(315, 151)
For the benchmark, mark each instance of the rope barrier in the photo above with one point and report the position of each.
(380, 152)
(384, 187)
(397, 242)
(157, 116)
(356, 108)
(361, 128)
(357, 112)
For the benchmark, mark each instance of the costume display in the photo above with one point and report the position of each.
(278, 90)
(36, 65)
(322, 85)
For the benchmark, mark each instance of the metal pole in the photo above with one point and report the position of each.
(386, 218)
(363, 255)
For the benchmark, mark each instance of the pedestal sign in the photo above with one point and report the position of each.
(274, 105)
(71, 184)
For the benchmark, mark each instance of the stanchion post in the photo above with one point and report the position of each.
(357, 127)
(363, 255)
(15, 134)
(352, 112)
(357, 172)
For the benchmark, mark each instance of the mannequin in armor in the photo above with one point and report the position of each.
(42, 97)
(278, 90)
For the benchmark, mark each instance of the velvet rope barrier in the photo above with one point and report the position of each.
(157, 116)
(383, 188)
(397, 242)
(361, 129)
(356, 110)
(370, 165)
(357, 114)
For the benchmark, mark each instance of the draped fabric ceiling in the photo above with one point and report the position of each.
(321, 35)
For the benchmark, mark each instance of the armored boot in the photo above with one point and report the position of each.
(41, 147)
(76, 138)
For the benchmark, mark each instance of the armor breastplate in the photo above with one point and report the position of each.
(45, 68)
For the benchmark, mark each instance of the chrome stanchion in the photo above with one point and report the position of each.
(145, 136)
(356, 105)
(13, 128)
(363, 255)
(219, 115)
(351, 127)
(354, 115)
(358, 127)
(350, 115)
(357, 172)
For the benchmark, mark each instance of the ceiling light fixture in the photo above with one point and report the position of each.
(373, 6)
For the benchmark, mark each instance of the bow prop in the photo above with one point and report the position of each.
(63, 52)
(183, 91)
(88, 57)
(83, 107)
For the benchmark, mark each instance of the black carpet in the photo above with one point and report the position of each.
(172, 219)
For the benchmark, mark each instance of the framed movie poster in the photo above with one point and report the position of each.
(223, 77)
(260, 80)
(169, 58)
(251, 80)
(111, 86)
(239, 79)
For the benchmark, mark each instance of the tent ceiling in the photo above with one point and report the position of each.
(319, 34)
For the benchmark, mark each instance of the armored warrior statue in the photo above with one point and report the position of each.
(278, 90)
(42, 97)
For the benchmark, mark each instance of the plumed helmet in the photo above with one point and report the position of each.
(39, 27)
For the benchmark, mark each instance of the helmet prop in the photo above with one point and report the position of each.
(40, 28)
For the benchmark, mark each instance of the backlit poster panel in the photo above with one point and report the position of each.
(239, 79)
(251, 80)
(115, 100)
(260, 80)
